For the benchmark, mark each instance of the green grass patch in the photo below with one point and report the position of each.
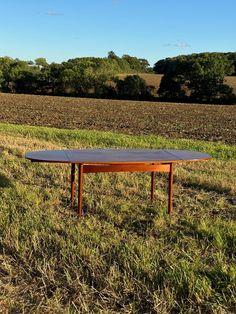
(71, 138)
(126, 255)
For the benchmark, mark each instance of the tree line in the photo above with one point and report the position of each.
(79, 77)
(163, 66)
(197, 77)
(187, 78)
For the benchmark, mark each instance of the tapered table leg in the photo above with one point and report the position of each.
(72, 181)
(80, 210)
(152, 185)
(170, 192)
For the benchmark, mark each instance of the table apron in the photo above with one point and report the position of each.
(126, 168)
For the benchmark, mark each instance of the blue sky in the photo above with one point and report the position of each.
(152, 29)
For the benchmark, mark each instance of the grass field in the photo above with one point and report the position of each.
(172, 120)
(126, 255)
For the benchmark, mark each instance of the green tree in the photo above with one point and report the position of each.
(54, 75)
(133, 87)
(136, 65)
(89, 75)
(206, 78)
(41, 62)
(198, 78)
(166, 65)
(1, 79)
(27, 81)
(112, 55)
(5, 65)
(172, 87)
(14, 74)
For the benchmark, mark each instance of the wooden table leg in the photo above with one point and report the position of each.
(72, 181)
(80, 210)
(171, 174)
(152, 185)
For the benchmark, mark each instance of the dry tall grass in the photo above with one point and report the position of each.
(126, 255)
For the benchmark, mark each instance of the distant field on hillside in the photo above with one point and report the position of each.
(231, 80)
(155, 80)
(151, 79)
(172, 120)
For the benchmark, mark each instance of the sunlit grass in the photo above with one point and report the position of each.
(85, 138)
(126, 255)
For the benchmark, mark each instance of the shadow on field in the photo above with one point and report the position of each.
(191, 230)
(5, 182)
(214, 237)
(141, 222)
(208, 235)
(202, 186)
(72, 210)
(138, 226)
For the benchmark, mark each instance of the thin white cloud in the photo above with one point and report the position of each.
(180, 45)
(54, 13)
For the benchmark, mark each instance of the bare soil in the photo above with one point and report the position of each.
(194, 121)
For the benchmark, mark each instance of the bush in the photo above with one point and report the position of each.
(133, 87)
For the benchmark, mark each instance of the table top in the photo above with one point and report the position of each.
(116, 156)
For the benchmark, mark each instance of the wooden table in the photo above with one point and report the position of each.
(118, 160)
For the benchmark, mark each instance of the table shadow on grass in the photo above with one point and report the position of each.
(139, 226)
(72, 209)
(5, 182)
(202, 186)
(16, 258)
(192, 230)
(20, 263)
(138, 222)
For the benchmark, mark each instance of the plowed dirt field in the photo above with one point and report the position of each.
(204, 122)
